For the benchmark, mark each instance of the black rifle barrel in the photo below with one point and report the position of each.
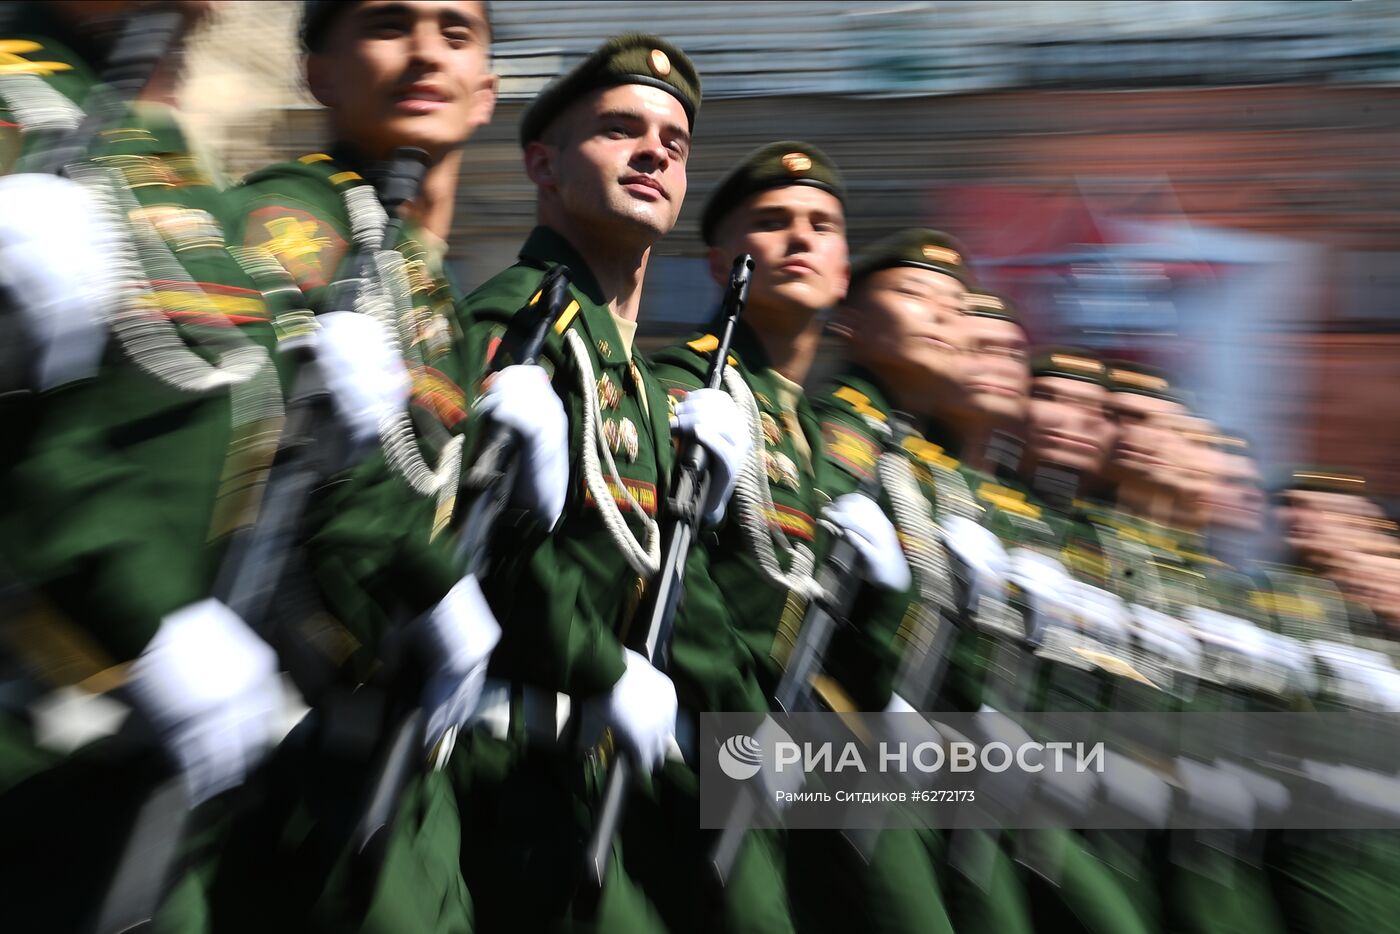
(690, 487)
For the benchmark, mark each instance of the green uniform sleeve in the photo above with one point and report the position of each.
(125, 487)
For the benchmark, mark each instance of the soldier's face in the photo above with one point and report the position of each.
(615, 163)
(906, 328)
(406, 73)
(1069, 424)
(1235, 499)
(996, 376)
(797, 236)
(1146, 437)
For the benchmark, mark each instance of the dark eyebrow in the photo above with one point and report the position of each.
(388, 9)
(453, 17)
(637, 116)
(679, 131)
(616, 114)
(447, 17)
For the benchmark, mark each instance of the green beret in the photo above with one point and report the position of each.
(1325, 480)
(984, 304)
(917, 247)
(1228, 441)
(777, 165)
(1142, 380)
(632, 58)
(1069, 363)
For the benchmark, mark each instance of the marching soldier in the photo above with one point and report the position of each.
(995, 379)
(148, 411)
(391, 75)
(901, 325)
(606, 146)
(784, 205)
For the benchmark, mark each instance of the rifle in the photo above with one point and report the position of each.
(690, 485)
(840, 583)
(492, 477)
(250, 576)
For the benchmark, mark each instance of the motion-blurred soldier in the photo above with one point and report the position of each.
(378, 561)
(903, 371)
(1096, 885)
(784, 205)
(606, 146)
(143, 408)
(995, 380)
(1334, 878)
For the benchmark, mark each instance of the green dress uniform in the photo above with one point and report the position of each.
(891, 648)
(564, 598)
(738, 620)
(124, 486)
(375, 554)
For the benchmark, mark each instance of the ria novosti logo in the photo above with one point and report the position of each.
(740, 757)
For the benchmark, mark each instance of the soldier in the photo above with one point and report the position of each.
(746, 593)
(391, 75)
(1235, 503)
(996, 385)
(1141, 467)
(140, 440)
(904, 368)
(606, 146)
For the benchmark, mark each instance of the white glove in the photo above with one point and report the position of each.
(1046, 584)
(982, 557)
(860, 519)
(210, 687)
(521, 398)
(364, 372)
(1105, 615)
(459, 634)
(56, 260)
(711, 417)
(641, 709)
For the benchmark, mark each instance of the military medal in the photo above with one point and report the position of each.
(621, 437)
(609, 393)
(771, 432)
(781, 470)
(628, 439)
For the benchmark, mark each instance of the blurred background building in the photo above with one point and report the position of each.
(1210, 186)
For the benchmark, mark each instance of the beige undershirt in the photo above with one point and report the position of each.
(627, 330)
(788, 394)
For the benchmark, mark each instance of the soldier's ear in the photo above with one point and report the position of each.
(539, 164)
(719, 265)
(319, 79)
